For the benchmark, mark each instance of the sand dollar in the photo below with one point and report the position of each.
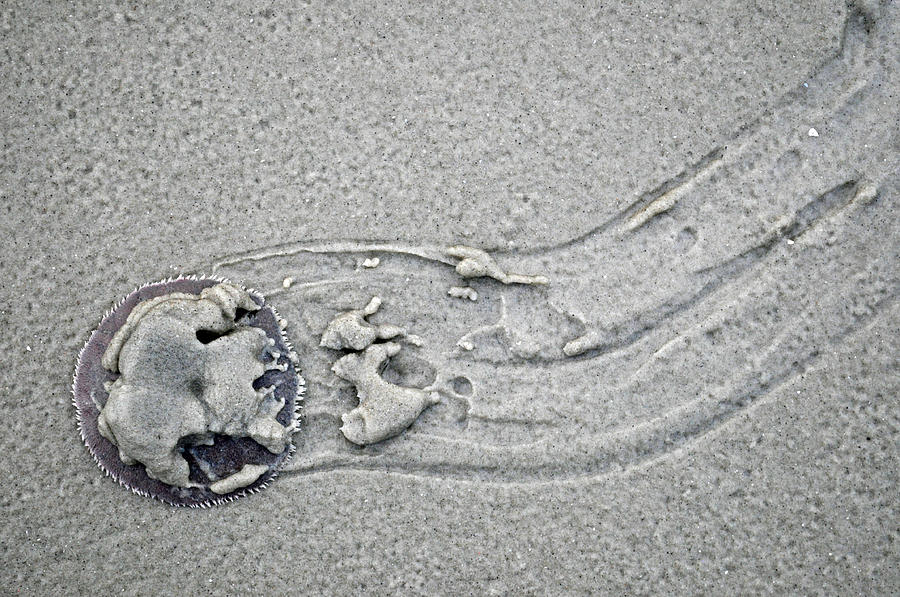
(188, 391)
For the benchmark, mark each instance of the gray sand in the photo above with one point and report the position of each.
(702, 397)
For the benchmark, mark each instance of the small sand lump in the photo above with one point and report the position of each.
(384, 409)
(475, 263)
(248, 474)
(351, 330)
(463, 292)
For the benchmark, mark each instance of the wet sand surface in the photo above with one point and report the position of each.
(637, 268)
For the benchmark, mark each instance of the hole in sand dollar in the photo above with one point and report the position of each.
(407, 370)
(462, 386)
(207, 336)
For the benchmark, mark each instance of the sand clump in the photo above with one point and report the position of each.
(384, 409)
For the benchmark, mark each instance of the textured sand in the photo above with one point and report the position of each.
(704, 398)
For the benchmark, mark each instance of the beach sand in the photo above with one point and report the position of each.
(701, 399)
